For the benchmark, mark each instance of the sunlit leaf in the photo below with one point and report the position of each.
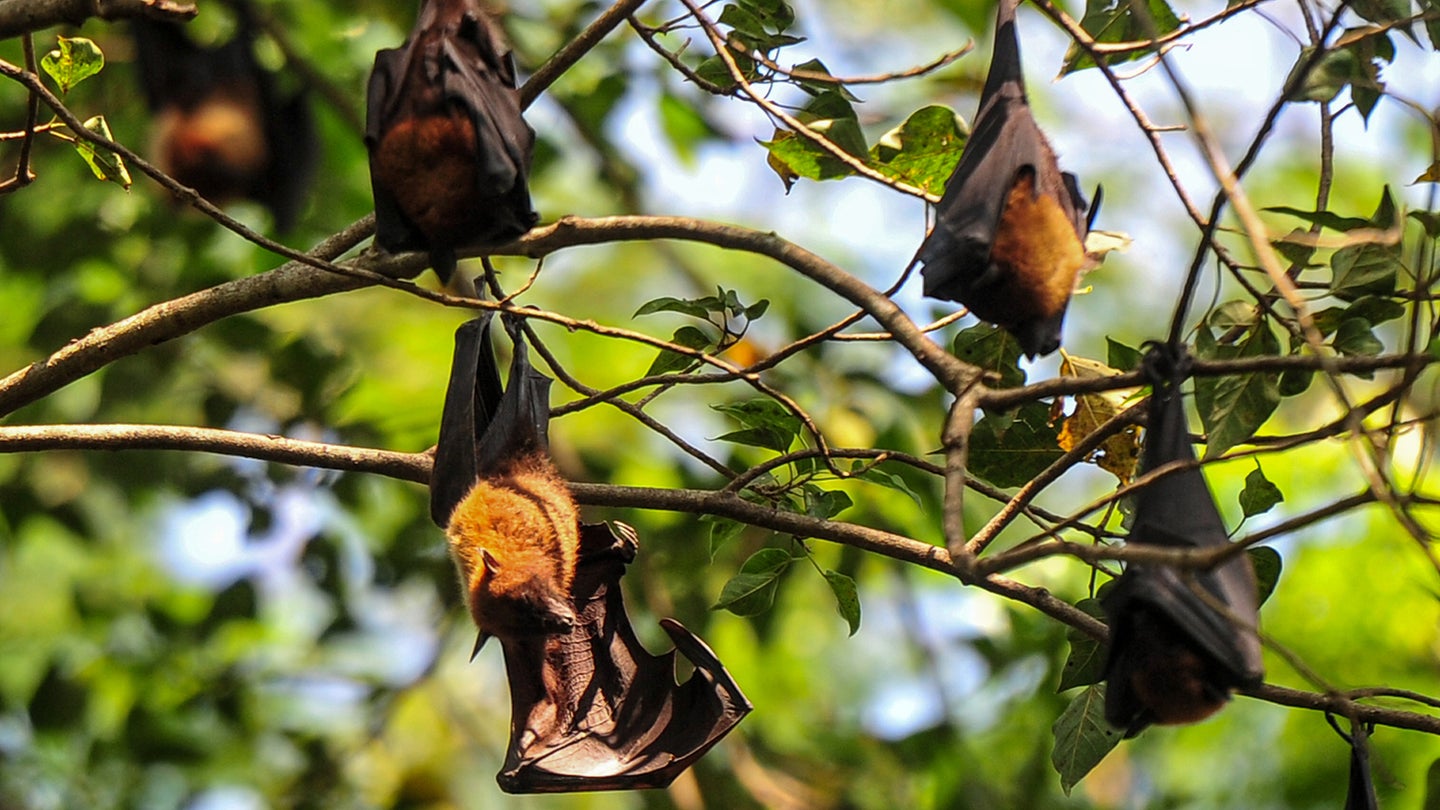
(1108, 21)
(1120, 453)
(73, 61)
(923, 150)
(105, 164)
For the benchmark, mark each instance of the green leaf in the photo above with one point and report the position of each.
(752, 591)
(776, 14)
(1233, 407)
(684, 126)
(815, 86)
(825, 503)
(992, 349)
(875, 475)
(1012, 455)
(847, 598)
(1324, 219)
(1082, 737)
(75, 60)
(1259, 495)
(722, 531)
(1327, 77)
(715, 71)
(1109, 21)
(1361, 270)
(1121, 357)
(1374, 310)
(1355, 338)
(1429, 220)
(1086, 662)
(1267, 564)
(923, 150)
(668, 361)
(767, 424)
(1295, 381)
(105, 164)
(667, 304)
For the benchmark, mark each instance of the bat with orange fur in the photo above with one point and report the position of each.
(1180, 641)
(591, 708)
(449, 150)
(1009, 236)
(220, 124)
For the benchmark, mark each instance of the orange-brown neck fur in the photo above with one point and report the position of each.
(1039, 253)
(525, 519)
(428, 163)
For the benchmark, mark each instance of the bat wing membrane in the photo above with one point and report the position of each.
(472, 398)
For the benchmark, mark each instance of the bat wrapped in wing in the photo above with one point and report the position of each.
(591, 709)
(220, 124)
(1009, 236)
(449, 150)
(1180, 641)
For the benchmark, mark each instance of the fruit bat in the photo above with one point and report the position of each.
(220, 124)
(1360, 794)
(514, 527)
(1180, 641)
(591, 709)
(449, 150)
(1009, 236)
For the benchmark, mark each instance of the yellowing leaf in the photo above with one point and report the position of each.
(1120, 453)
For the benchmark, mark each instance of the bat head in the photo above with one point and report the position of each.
(505, 603)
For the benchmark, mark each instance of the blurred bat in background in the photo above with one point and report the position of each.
(1009, 236)
(220, 124)
(449, 150)
(591, 709)
(1180, 641)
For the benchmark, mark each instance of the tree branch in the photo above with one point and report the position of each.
(25, 16)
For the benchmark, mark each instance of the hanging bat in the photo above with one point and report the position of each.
(512, 523)
(591, 709)
(1360, 794)
(220, 124)
(1009, 236)
(1180, 641)
(449, 150)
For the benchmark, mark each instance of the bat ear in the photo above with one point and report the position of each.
(479, 642)
(492, 565)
